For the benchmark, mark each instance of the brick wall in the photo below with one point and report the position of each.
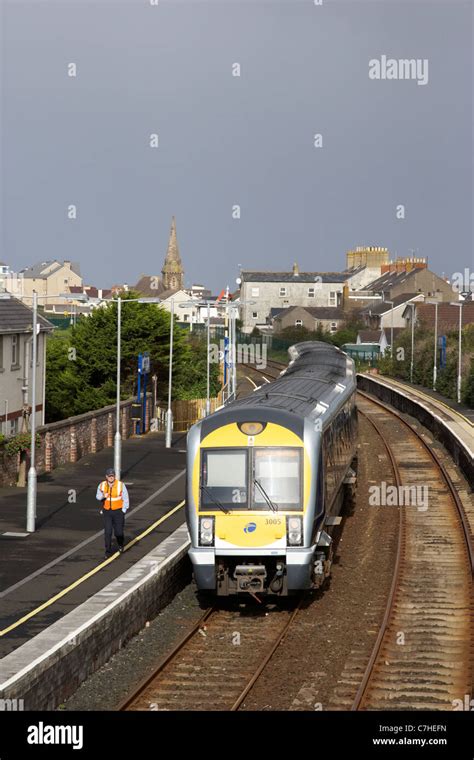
(72, 438)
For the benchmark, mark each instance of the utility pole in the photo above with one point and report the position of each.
(118, 437)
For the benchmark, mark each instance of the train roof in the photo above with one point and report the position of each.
(319, 376)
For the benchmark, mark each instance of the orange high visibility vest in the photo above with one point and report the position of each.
(114, 498)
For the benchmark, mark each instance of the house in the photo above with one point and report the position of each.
(448, 315)
(419, 280)
(16, 327)
(327, 318)
(382, 314)
(49, 279)
(380, 338)
(261, 292)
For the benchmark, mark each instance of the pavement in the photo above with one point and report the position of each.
(44, 575)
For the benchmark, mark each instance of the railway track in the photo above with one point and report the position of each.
(422, 658)
(217, 663)
(423, 654)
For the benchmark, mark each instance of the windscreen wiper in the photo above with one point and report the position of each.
(213, 498)
(270, 503)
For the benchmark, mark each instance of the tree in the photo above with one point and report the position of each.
(82, 363)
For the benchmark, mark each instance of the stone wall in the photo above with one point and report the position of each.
(70, 439)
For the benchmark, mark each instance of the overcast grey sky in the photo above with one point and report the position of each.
(226, 140)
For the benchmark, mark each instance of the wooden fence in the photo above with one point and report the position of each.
(187, 412)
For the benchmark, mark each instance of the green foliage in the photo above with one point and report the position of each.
(446, 382)
(81, 362)
(468, 395)
(21, 442)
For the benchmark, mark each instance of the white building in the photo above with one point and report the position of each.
(260, 292)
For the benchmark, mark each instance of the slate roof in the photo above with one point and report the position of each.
(369, 336)
(448, 315)
(381, 307)
(16, 317)
(36, 271)
(318, 312)
(309, 277)
(144, 287)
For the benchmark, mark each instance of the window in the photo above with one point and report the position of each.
(298, 323)
(333, 298)
(224, 479)
(255, 292)
(282, 291)
(270, 474)
(277, 477)
(255, 315)
(333, 327)
(13, 426)
(310, 292)
(15, 349)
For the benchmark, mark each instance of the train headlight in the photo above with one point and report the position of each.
(206, 531)
(294, 531)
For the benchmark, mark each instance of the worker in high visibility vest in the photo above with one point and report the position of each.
(113, 495)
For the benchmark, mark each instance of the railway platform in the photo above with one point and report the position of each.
(457, 417)
(47, 574)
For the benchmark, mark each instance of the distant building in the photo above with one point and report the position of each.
(261, 292)
(380, 338)
(16, 329)
(311, 318)
(367, 256)
(172, 273)
(417, 280)
(369, 261)
(448, 316)
(381, 314)
(49, 279)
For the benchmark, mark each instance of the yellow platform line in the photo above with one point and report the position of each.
(88, 575)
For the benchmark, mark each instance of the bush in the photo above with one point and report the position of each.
(20, 443)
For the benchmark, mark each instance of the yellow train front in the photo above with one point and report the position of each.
(265, 478)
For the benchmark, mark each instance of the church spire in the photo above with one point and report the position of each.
(173, 273)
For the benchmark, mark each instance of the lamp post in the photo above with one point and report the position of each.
(459, 380)
(32, 475)
(118, 437)
(412, 340)
(391, 331)
(169, 413)
(435, 355)
(208, 363)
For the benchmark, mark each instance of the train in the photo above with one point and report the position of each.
(267, 475)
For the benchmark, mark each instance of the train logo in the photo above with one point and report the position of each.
(250, 527)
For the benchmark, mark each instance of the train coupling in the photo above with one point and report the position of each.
(250, 578)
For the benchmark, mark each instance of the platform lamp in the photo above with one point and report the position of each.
(434, 303)
(459, 380)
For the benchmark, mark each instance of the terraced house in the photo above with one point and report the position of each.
(16, 331)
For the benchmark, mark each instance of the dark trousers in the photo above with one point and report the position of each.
(113, 519)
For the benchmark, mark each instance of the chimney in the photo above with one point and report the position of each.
(67, 264)
(296, 270)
